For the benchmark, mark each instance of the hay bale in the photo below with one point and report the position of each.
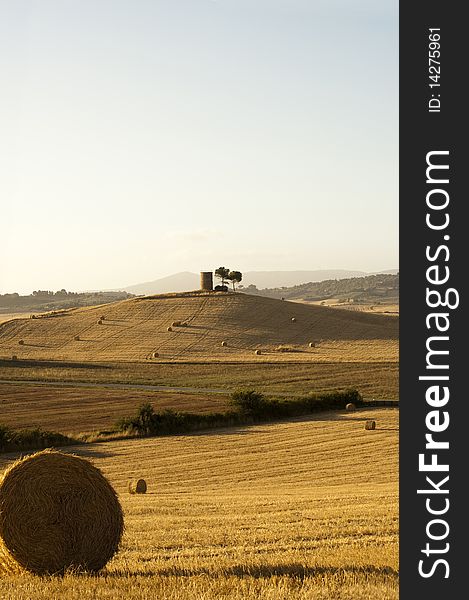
(77, 338)
(99, 321)
(21, 342)
(169, 328)
(224, 343)
(138, 487)
(57, 512)
(32, 316)
(312, 344)
(102, 317)
(176, 324)
(370, 425)
(155, 355)
(350, 406)
(293, 319)
(14, 357)
(184, 324)
(258, 352)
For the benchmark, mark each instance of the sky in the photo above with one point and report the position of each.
(140, 138)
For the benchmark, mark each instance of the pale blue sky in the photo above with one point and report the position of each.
(145, 137)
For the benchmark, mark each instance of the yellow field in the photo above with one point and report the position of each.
(295, 510)
(389, 308)
(15, 315)
(134, 329)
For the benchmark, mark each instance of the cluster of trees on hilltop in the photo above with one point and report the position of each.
(225, 274)
(359, 289)
(43, 300)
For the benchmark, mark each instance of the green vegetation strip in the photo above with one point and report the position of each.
(248, 407)
(12, 440)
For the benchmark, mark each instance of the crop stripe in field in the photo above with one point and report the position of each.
(95, 309)
(71, 339)
(124, 330)
(199, 308)
(204, 335)
(10, 329)
(260, 321)
(266, 317)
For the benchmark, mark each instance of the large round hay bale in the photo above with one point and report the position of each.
(155, 355)
(57, 512)
(370, 425)
(77, 338)
(21, 342)
(293, 319)
(350, 406)
(258, 352)
(176, 324)
(102, 317)
(312, 344)
(14, 357)
(169, 328)
(138, 487)
(224, 343)
(100, 321)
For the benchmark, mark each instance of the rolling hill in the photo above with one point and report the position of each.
(135, 329)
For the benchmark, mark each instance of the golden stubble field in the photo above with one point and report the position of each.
(4, 317)
(304, 509)
(373, 379)
(136, 329)
(73, 407)
(388, 308)
(74, 410)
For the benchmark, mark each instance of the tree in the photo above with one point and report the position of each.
(222, 273)
(235, 277)
(248, 401)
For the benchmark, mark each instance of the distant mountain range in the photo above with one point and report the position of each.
(186, 281)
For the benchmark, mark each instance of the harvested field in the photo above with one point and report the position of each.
(134, 329)
(70, 410)
(4, 317)
(387, 308)
(271, 511)
(379, 380)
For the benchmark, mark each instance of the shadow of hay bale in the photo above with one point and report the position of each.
(57, 512)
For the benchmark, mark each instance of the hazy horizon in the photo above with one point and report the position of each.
(250, 272)
(141, 139)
